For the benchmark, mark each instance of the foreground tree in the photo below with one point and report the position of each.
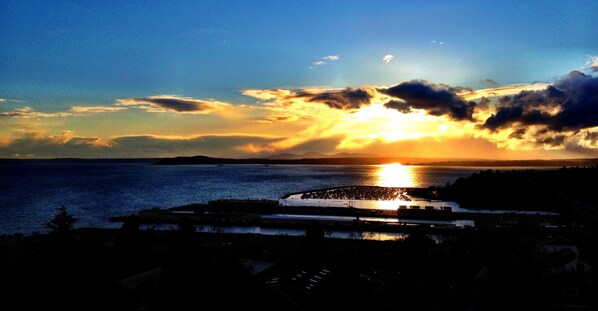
(62, 221)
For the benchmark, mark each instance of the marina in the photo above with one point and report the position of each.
(400, 200)
(293, 213)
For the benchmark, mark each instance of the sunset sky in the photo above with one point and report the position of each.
(479, 79)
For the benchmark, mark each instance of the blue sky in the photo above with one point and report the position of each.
(95, 51)
(58, 54)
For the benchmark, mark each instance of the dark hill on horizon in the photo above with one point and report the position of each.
(376, 160)
(318, 155)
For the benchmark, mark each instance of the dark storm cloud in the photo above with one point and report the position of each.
(346, 99)
(575, 97)
(507, 115)
(533, 99)
(435, 99)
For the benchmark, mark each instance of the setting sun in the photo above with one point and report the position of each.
(395, 175)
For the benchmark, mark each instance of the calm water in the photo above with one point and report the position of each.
(31, 192)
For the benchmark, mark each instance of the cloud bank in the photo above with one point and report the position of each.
(68, 144)
(561, 116)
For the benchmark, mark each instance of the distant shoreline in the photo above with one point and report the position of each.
(203, 160)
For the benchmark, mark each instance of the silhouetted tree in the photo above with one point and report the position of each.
(62, 244)
(62, 221)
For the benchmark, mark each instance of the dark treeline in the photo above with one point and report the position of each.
(551, 190)
(514, 163)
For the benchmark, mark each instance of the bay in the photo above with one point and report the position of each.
(31, 192)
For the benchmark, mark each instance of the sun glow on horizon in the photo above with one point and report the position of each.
(391, 124)
(377, 123)
(395, 175)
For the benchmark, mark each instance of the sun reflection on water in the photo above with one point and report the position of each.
(395, 175)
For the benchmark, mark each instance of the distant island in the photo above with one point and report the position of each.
(376, 160)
